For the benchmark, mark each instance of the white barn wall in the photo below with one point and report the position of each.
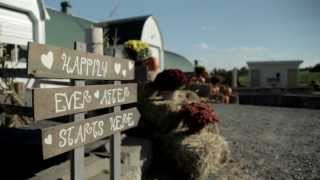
(152, 35)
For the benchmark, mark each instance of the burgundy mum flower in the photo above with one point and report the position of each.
(198, 115)
(170, 80)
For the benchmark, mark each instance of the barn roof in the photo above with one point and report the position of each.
(125, 29)
(63, 29)
(176, 61)
(277, 62)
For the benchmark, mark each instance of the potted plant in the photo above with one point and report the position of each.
(137, 50)
(152, 63)
(140, 52)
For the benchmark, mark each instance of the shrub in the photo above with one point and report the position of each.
(216, 79)
(197, 115)
(170, 80)
(200, 70)
(316, 68)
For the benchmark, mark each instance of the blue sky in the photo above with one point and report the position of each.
(223, 33)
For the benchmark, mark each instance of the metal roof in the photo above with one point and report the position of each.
(63, 29)
(275, 62)
(176, 61)
(125, 29)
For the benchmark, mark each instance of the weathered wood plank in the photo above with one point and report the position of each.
(55, 102)
(65, 137)
(55, 62)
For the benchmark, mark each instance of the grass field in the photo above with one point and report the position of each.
(304, 78)
(244, 80)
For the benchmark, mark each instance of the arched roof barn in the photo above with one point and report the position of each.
(144, 28)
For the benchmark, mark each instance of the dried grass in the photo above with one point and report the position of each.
(161, 114)
(197, 155)
(194, 155)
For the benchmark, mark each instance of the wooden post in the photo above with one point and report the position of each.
(94, 38)
(115, 143)
(77, 155)
(235, 85)
(234, 78)
(115, 147)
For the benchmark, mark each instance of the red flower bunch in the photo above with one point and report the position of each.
(197, 115)
(170, 80)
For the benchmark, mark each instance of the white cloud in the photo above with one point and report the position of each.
(202, 45)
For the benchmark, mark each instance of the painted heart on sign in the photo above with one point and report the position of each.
(124, 73)
(48, 139)
(117, 68)
(47, 60)
(97, 94)
(131, 65)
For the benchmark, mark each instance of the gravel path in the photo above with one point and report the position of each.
(270, 143)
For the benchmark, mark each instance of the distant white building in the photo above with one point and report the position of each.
(269, 74)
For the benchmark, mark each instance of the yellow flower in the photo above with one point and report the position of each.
(136, 45)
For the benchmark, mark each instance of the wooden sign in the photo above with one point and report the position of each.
(55, 102)
(63, 138)
(55, 62)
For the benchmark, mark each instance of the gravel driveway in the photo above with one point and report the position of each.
(270, 142)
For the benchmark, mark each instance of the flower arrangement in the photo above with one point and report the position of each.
(200, 71)
(170, 80)
(197, 115)
(216, 79)
(201, 75)
(137, 50)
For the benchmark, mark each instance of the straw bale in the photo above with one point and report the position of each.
(197, 155)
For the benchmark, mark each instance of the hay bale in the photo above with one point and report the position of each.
(182, 96)
(161, 114)
(197, 155)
